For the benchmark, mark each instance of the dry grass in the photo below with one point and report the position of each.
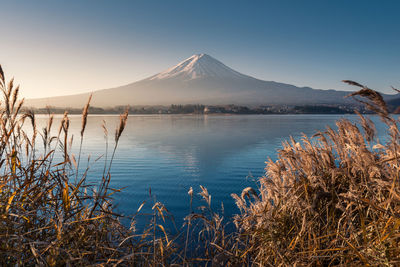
(332, 199)
(47, 218)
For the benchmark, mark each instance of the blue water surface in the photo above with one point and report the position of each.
(171, 153)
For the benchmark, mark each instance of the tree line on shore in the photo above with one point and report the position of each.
(217, 109)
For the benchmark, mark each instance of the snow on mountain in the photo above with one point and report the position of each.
(197, 66)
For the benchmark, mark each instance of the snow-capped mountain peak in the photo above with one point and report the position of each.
(198, 66)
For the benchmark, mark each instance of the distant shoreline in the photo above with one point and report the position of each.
(214, 110)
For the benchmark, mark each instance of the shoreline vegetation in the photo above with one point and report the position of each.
(332, 199)
(220, 109)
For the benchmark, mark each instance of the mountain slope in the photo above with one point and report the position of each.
(199, 79)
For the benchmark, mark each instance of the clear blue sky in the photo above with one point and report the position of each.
(65, 47)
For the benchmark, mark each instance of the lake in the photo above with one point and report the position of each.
(171, 153)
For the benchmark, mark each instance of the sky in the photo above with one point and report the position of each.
(56, 47)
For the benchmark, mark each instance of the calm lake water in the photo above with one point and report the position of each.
(171, 153)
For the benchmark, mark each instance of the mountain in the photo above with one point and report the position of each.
(200, 79)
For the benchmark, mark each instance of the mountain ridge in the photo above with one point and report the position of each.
(199, 79)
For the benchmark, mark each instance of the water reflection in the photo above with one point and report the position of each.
(172, 153)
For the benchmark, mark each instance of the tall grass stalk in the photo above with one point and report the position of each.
(85, 113)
